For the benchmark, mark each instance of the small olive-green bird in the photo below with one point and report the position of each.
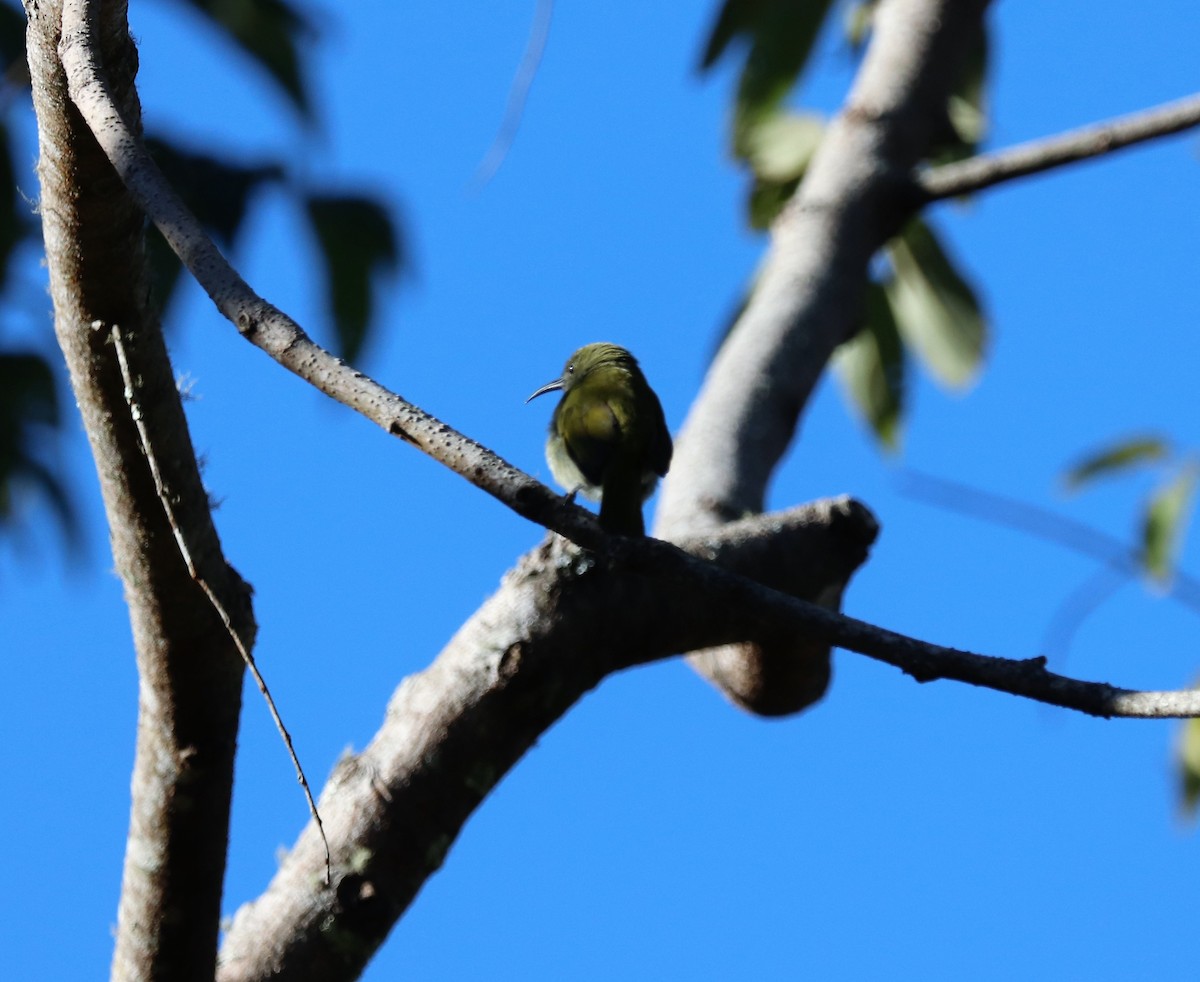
(608, 437)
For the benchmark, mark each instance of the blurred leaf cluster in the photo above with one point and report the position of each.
(357, 238)
(1166, 510)
(919, 304)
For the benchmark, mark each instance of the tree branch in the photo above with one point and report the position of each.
(189, 671)
(282, 338)
(273, 331)
(550, 633)
(987, 170)
(807, 300)
(521, 662)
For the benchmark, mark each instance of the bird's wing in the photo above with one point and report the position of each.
(591, 432)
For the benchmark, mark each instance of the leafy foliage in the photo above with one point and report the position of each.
(1188, 764)
(935, 308)
(357, 236)
(922, 304)
(1121, 456)
(272, 33)
(872, 366)
(29, 408)
(358, 242)
(1165, 521)
(778, 37)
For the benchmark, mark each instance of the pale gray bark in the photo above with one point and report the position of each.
(189, 672)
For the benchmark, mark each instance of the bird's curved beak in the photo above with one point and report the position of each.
(548, 387)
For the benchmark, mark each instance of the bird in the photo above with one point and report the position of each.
(608, 436)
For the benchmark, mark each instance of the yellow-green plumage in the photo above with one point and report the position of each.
(608, 437)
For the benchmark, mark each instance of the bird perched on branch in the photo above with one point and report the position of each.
(608, 437)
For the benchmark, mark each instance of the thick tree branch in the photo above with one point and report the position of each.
(283, 338)
(807, 301)
(189, 671)
(986, 170)
(275, 332)
(543, 640)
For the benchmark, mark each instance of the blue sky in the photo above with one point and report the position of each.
(894, 831)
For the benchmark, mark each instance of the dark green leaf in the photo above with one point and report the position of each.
(271, 32)
(358, 242)
(217, 191)
(766, 201)
(736, 17)
(967, 107)
(32, 471)
(12, 40)
(780, 35)
(1189, 766)
(871, 366)
(965, 122)
(783, 40)
(779, 147)
(1121, 456)
(28, 400)
(935, 309)
(27, 392)
(15, 223)
(1165, 521)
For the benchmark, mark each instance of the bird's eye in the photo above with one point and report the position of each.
(571, 369)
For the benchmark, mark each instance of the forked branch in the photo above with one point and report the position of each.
(285, 341)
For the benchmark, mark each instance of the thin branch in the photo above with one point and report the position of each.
(535, 47)
(270, 329)
(284, 340)
(164, 496)
(1048, 526)
(987, 170)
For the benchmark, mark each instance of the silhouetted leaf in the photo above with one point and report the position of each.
(12, 41)
(28, 400)
(967, 107)
(935, 309)
(780, 35)
(736, 17)
(766, 201)
(218, 193)
(1120, 456)
(358, 241)
(1188, 759)
(270, 32)
(27, 391)
(779, 147)
(859, 20)
(15, 222)
(965, 122)
(872, 368)
(1165, 520)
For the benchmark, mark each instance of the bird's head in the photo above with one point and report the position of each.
(591, 358)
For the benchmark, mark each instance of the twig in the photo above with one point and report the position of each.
(285, 341)
(164, 496)
(514, 110)
(986, 170)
